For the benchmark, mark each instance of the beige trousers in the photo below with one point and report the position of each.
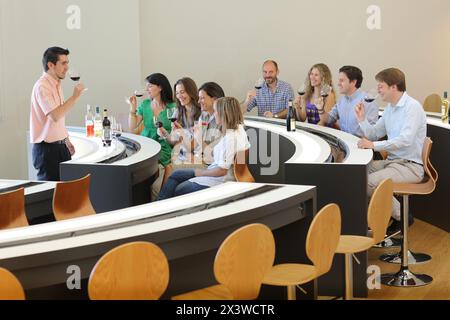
(399, 170)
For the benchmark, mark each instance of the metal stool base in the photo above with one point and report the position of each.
(413, 258)
(405, 278)
(389, 243)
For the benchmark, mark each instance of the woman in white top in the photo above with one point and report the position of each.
(228, 115)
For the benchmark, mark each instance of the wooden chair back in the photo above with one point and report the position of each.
(12, 209)
(430, 172)
(71, 199)
(241, 171)
(323, 238)
(433, 103)
(243, 259)
(380, 209)
(10, 286)
(132, 271)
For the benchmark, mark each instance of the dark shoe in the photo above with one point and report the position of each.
(396, 226)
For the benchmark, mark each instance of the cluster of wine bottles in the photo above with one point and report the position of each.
(98, 127)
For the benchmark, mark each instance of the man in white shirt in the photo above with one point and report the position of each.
(404, 123)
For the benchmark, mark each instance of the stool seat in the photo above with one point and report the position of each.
(217, 292)
(288, 274)
(354, 244)
(421, 188)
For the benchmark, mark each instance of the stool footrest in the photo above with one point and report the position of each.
(413, 258)
(405, 278)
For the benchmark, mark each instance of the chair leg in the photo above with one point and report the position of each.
(291, 293)
(404, 277)
(348, 276)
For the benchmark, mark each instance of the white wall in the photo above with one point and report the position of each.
(105, 51)
(227, 41)
(121, 42)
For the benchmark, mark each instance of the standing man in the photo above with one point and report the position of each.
(404, 123)
(48, 133)
(273, 98)
(349, 84)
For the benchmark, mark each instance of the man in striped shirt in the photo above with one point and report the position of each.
(273, 97)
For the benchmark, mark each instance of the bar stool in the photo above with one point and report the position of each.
(241, 262)
(12, 209)
(71, 199)
(321, 242)
(241, 171)
(132, 271)
(404, 277)
(378, 215)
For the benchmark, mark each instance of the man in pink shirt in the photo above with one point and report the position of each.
(48, 133)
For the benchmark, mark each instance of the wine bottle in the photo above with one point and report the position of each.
(106, 129)
(98, 123)
(89, 122)
(445, 108)
(290, 119)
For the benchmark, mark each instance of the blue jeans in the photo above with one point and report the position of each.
(178, 184)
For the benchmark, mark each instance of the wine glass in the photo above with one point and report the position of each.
(205, 116)
(74, 75)
(259, 83)
(158, 125)
(172, 114)
(325, 91)
(371, 95)
(301, 90)
(139, 93)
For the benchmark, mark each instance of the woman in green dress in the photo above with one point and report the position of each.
(153, 112)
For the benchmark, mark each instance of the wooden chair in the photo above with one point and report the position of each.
(433, 103)
(321, 243)
(404, 277)
(71, 199)
(12, 209)
(241, 171)
(10, 287)
(378, 215)
(132, 271)
(241, 262)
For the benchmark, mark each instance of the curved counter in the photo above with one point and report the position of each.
(121, 175)
(189, 231)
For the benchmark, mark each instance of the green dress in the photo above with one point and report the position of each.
(150, 131)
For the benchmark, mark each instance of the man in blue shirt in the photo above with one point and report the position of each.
(404, 123)
(350, 81)
(273, 98)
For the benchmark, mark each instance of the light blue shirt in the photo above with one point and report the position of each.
(406, 128)
(344, 111)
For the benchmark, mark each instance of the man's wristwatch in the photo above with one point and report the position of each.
(275, 116)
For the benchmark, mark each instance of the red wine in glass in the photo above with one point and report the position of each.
(75, 78)
(173, 119)
(159, 124)
(369, 100)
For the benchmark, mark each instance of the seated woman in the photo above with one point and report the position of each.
(228, 114)
(153, 111)
(207, 133)
(188, 111)
(319, 81)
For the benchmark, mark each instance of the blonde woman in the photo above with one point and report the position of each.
(228, 115)
(309, 107)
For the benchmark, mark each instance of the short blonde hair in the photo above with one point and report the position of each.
(229, 111)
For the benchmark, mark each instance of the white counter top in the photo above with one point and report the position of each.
(77, 226)
(91, 150)
(306, 140)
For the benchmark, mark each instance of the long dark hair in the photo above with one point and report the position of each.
(166, 90)
(191, 89)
